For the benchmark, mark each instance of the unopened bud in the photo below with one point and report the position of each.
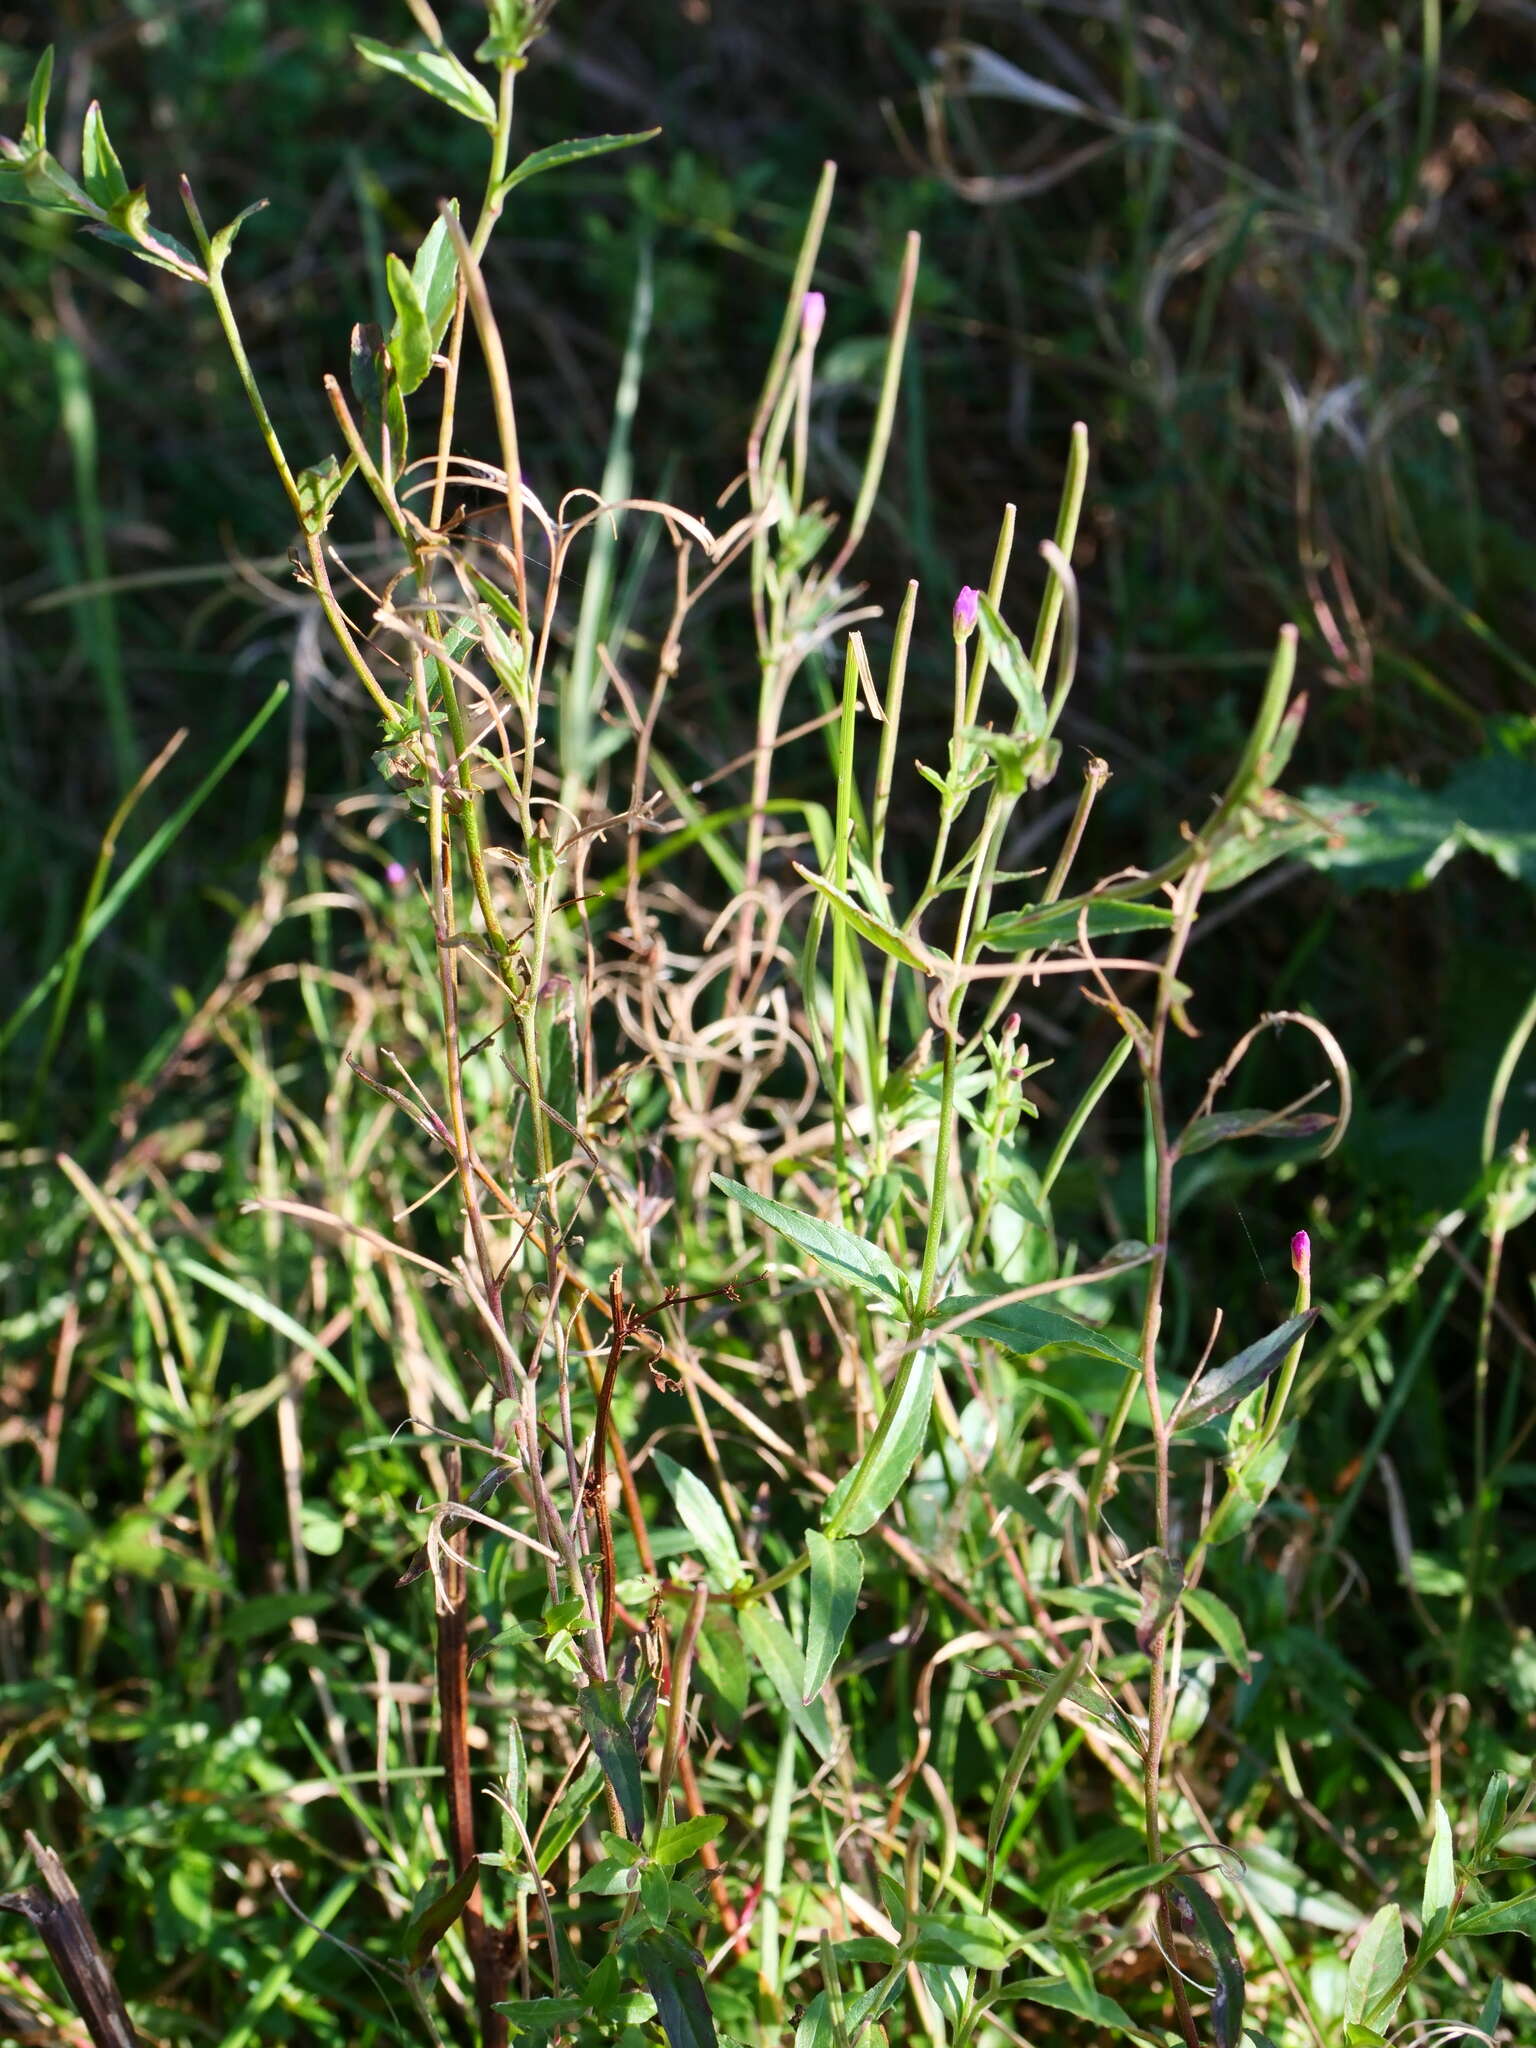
(813, 313)
(1301, 1255)
(964, 614)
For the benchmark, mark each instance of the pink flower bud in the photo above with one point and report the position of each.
(1301, 1254)
(964, 614)
(395, 875)
(813, 313)
(1011, 1024)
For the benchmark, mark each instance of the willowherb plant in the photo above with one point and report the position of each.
(611, 1052)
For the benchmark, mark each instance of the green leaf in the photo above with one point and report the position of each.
(837, 1572)
(1062, 1995)
(151, 245)
(1229, 1125)
(879, 931)
(1234, 1381)
(655, 1895)
(1375, 1966)
(1035, 1725)
(1492, 1814)
(1058, 924)
(223, 239)
(543, 2015)
(35, 135)
(54, 1514)
(100, 170)
(432, 1916)
(319, 487)
(1516, 1916)
(410, 340)
(435, 276)
(1108, 1892)
(1221, 1624)
(1024, 1328)
(858, 1501)
(676, 1844)
(704, 1519)
(602, 1717)
(135, 1544)
(270, 1612)
(778, 1656)
(1215, 1937)
(867, 1265)
(671, 1972)
(437, 72)
(1012, 667)
(573, 152)
(970, 1939)
(1439, 1880)
(723, 1668)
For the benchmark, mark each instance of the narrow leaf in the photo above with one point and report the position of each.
(1215, 1937)
(574, 152)
(1234, 1381)
(410, 340)
(1058, 924)
(867, 1265)
(778, 1655)
(1221, 1624)
(614, 1746)
(1229, 1125)
(35, 135)
(1439, 1879)
(837, 1572)
(704, 1519)
(859, 1500)
(1035, 1725)
(430, 1922)
(1024, 1328)
(437, 72)
(1374, 1967)
(1013, 669)
(100, 170)
(435, 276)
(677, 1844)
(671, 1972)
(879, 931)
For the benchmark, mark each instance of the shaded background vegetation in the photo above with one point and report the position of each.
(1278, 259)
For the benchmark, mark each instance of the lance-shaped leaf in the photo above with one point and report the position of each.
(1213, 1935)
(435, 275)
(1058, 924)
(671, 1972)
(435, 1912)
(1234, 1381)
(866, 1264)
(879, 931)
(1230, 1124)
(410, 339)
(609, 1733)
(573, 152)
(437, 72)
(99, 166)
(1013, 669)
(1024, 1327)
(858, 1501)
(705, 1521)
(837, 1572)
(1374, 1968)
(779, 1656)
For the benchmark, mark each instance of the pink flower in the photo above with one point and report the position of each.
(395, 875)
(813, 313)
(964, 614)
(1301, 1254)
